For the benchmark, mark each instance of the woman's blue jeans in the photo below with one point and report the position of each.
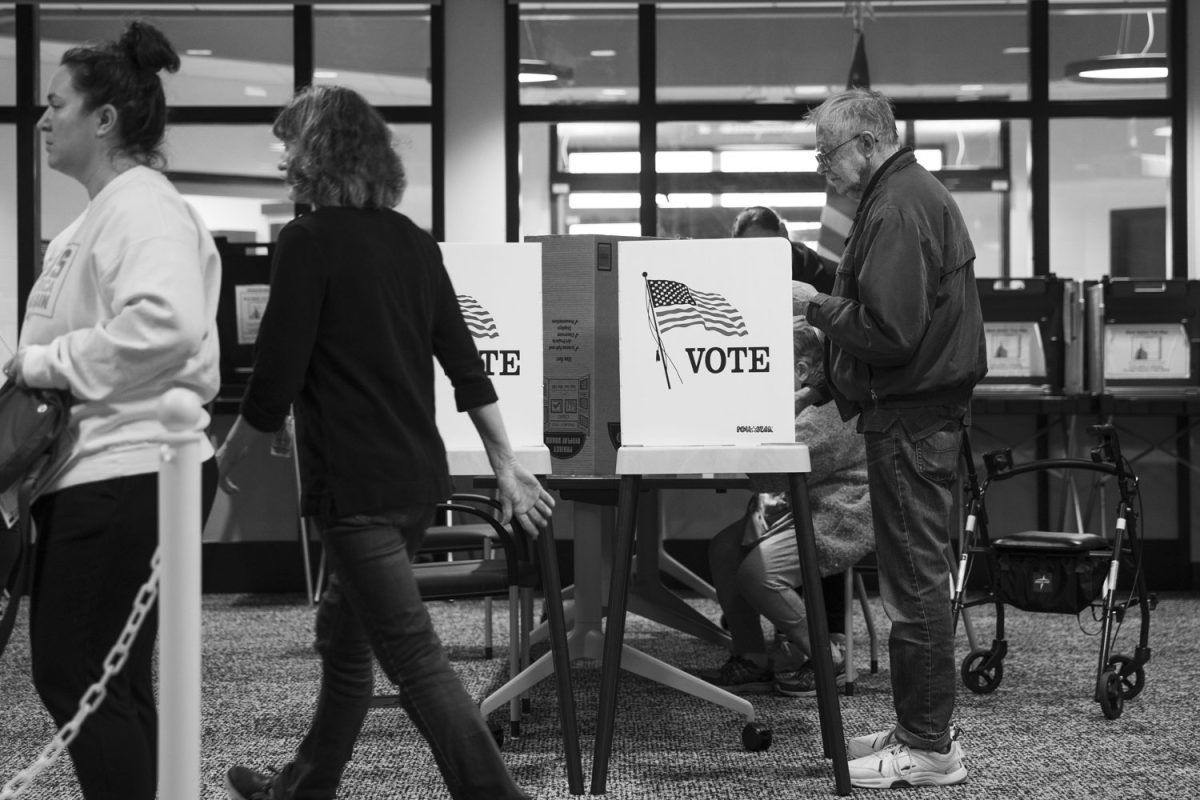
(372, 608)
(912, 469)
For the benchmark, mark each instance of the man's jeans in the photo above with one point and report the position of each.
(372, 607)
(913, 481)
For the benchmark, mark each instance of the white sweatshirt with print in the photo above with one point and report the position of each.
(124, 309)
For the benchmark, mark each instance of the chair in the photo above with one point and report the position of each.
(854, 584)
(515, 575)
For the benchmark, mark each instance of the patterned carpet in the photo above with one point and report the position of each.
(1039, 735)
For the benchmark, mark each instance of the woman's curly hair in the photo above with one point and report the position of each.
(339, 150)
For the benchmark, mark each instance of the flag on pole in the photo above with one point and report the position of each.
(838, 213)
(676, 305)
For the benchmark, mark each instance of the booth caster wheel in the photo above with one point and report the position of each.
(1110, 693)
(1132, 678)
(756, 737)
(980, 679)
(497, 731)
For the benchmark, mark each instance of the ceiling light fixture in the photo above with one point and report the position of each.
(1123, 67)
(536, 70)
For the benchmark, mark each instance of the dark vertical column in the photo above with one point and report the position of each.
(437, 148)
(647, 129)
(512, 123)
(1039, 170)
(302, 46)
(29, 205)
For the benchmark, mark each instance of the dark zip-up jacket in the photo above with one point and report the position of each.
(903, 322)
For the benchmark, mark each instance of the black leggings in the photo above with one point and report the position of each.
(94, 546)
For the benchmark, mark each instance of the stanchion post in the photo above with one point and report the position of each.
(179, 534)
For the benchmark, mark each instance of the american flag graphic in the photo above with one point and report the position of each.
(479, 321)
(676, 305)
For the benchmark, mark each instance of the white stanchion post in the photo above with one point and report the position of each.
(179, 532)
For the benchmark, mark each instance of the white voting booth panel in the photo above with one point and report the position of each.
(497, 287)
(706, 342)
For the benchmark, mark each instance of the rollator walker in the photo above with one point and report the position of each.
(1059, 571)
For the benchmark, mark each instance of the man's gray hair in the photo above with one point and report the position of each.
(853, 110)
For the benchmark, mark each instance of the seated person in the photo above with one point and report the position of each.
(755, 562)
(807, 267)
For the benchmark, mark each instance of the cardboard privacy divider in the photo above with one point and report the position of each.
(582, 422)
(499, 288)
(706, 342)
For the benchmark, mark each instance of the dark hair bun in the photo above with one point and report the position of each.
(148, 49)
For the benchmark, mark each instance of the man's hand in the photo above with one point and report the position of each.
(802, 295)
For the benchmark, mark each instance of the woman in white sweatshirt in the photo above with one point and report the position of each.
(124, 309)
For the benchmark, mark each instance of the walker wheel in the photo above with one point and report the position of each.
(980, 679)
(1109, 690)
(1132, 679)
(497, 731)
(756, 737)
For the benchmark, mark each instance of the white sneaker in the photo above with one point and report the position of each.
(861, 746)
(899, 765)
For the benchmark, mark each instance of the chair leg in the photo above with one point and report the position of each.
(861, 588)
(514, 658)
(488, 648)
(526, 642)
(851, 672)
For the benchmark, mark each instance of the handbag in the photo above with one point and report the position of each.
(32, 422)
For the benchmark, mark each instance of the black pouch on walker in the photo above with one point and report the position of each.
(1049, 571)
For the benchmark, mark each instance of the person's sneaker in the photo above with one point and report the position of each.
(861, 746)
(243, 783)
(803, 682)
(740, 676)
(898, 765)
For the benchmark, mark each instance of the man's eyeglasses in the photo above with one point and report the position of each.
(823, 157)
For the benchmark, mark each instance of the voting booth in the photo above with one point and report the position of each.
(706, 342)
(499, 290)
(1035, 339)
(1140, 334)
(245, 285)
(581, 411)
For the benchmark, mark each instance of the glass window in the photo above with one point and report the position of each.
(230, 173)
(801, 52)
(1110, 198)
(414, 143)
(974, 159)
(8, 52)
(578, 53)
(231, 55)
(8, 240)
(382, 52)
(1089, 40)
(750, 163)
(562, 193)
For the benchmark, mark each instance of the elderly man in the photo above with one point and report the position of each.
(904, 350)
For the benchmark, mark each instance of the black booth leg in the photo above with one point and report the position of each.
(818, 632)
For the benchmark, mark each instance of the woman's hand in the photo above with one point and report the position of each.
(12, 369)
(523, 496)
(231, 452)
